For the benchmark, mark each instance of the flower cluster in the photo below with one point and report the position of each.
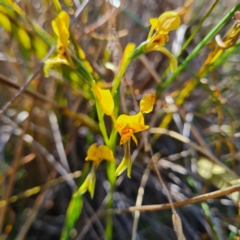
(126, 125)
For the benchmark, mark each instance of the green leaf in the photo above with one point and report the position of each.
(73, 213)
(126, 162)
(88, 184)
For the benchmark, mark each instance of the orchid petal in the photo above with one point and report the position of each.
(146, 104)
(172, 59)
(126, 162)
(50, 63)
(88, 184)
(105, 99)
(60, 26)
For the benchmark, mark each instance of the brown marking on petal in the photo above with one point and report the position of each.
(126, 134)
(159, 40)
(60, 48)
(127, 131)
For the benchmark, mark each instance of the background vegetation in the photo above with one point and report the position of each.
(47, 124)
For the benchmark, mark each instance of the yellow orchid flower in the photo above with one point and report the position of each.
(126, 162)
(105, 99)
(146, 103)
(160, 27)
(97, 154)
(128, 125)
(167, 22)
(60, 26)
(158, 35)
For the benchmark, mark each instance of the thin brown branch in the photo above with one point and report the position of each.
(159, 207)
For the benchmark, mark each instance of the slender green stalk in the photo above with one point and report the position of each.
(102, 125)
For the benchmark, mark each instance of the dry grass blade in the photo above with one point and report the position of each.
(58, 141)
(177, 223)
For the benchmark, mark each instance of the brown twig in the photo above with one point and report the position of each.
(159, 207)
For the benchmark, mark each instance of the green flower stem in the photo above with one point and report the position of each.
(102, 125)
(57, 6)
(199, 47)
(116, 95)
(112, 140)
(111, 167)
